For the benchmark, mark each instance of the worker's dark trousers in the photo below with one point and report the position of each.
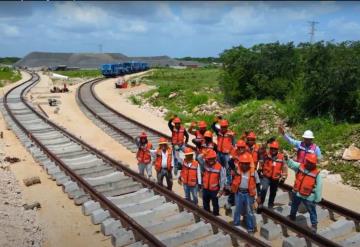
(208, 196)
(265, 184)
(168, 176)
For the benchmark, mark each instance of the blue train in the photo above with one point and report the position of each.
(116, 69)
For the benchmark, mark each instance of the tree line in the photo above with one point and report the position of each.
(319, 79)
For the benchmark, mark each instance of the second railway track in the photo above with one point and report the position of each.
(338, 226)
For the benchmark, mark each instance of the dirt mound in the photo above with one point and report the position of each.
(92, 60)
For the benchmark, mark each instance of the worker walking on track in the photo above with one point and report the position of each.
(213, 181)
(207, 145)
(225, 143)
(240, 149)
(304, 147)
(164, 163)
(179, 138)
(245, 185)
(190, 176)
(307, 188)
(143, 154)
(274, 172)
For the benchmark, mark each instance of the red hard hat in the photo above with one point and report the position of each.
(208, 133)
(177, 120)
(245, 158)
(312, 158)
(143, 135)
(202, 124)
(224, 123)
(188, 151)
(251, 135)
(211, 154)
(241, 144)
(274, 145)
(163, 140)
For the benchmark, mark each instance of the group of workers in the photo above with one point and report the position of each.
(243, 169)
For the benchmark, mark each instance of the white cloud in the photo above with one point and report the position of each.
(9, 31)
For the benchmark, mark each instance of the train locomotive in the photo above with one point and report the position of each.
(118, 69)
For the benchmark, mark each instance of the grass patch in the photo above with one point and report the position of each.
(80, 73)
(135, 100)
(349, 173)
(8, 75)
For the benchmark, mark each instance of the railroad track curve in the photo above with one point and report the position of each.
(338, 226)
(131, 209)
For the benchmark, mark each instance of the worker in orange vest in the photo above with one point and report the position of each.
(198, 133)
(143, 154)
(213, 182)
(235, 153)
(225, 143)
(164, 162)
(245, 185)
(179, 139)
(207, 145)
(253, 147)
(307, 188)
(274, 171)
(190, 176)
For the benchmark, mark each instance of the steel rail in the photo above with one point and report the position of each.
(139, 232)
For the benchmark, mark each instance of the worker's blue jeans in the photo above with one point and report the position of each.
(244, 202)
(310, 206)
(208, 196)
(177, 160)
(265, 184)
(191, 191)
(224, 158)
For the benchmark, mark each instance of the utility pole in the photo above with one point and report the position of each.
(312, 30)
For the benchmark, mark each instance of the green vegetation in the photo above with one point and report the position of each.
(80, 73)
(313, 80)
(8, 75)
(9, 60)
(194, 87)
(135, 100)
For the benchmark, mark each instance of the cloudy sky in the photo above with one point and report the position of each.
(168, 28)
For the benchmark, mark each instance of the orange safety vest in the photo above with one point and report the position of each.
(224, 141)
(236, 181)
(178, 136)
(143, 154)
(272, 168)
(189, 173)
(211, 177)
(305, 182)
(158, 159)
(236, 156)
(254, 152)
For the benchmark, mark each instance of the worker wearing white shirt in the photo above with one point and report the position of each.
(164, 163)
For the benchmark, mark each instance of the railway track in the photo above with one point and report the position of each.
(338, 226)
(131, 209)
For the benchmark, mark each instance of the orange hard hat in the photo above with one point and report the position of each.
(312, 158)
(143, 135)
(202, 124)
(163, 140)
(241, 144)
(177, 120)
(274, 145)
(208, 133)
(251, 135)
(224, 123)
(188, 151)
(245, 158)
(211, 154)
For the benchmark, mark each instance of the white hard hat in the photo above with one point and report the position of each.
(308, 134)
